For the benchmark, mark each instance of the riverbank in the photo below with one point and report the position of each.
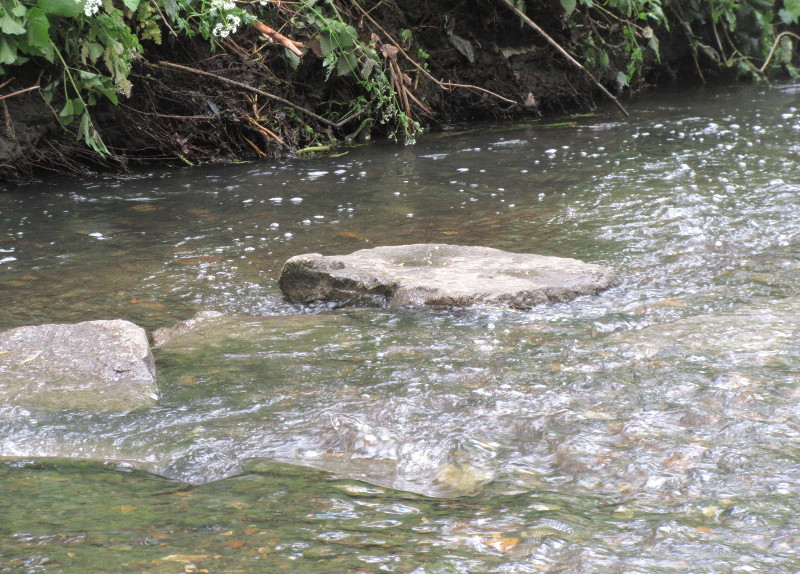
(302, 77)
(651, 428)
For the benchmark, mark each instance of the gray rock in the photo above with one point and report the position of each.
(95, 365)
(441, 275)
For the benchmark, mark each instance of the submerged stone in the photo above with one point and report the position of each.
(441, 275)
(95, 365)
(752, 334)
(212, 331)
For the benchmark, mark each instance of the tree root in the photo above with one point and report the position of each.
(775, 45)
(275, 36)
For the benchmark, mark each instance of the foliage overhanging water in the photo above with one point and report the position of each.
(653, 428)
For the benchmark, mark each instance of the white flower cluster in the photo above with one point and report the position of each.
(263, 2)
(221, 6)
(91, 7)
(225, 29)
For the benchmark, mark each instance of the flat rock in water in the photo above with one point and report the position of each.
(94, 365)
(441, 275)
(210, 330)
(752, 334)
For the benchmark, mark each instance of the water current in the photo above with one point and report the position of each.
(652, 428)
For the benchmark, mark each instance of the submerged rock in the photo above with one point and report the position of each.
(752, 334)
(95, 365)
(213, 331)
(441, 275)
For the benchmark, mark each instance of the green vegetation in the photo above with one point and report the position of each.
(88, 52)
(747, 36)
(345, 54)
(94, 43)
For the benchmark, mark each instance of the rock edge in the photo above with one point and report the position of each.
(99, 365)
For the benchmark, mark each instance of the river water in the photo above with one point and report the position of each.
(653, 428)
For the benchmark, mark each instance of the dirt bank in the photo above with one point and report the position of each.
(250, 98)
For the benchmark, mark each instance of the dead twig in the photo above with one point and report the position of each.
(167, 116)
(563, 52)
(164, 19)
(244, 86)
(266, 131)
(399, 80)
(18, 92)
(719, 42)
(443, 85)
(255, 147)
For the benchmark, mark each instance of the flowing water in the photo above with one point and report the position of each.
(653, 428)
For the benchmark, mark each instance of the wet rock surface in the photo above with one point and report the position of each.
(441, 275)
(95, 365)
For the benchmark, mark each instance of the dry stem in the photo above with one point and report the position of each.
(563, 52)
(443, 85)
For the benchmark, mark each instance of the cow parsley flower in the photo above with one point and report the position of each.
(220, 31)
(91, 7)
(233, 22)
(221, 6)
(228, 27)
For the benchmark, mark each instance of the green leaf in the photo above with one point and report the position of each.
(68, 8)
(657, 13)
(38, 28)
(9, 25)
(48, 53)
(18, 10)
(47, 93)
(787, 17)
(345, 37)
(569, 6)
(653, 44)
(84, 127)
(792, 6)
(171, 8)
(95, 51)
(131, 5)
(604, 61)
(8, 52)
(366, 69)
(66, 115)
(326, 44)
(463, 46)
(291, 58)
(786, 52)
(90, 136)
(347, 63)
(88, 77)
(78, 106)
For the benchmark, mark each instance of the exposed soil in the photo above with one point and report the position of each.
(178, 115)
